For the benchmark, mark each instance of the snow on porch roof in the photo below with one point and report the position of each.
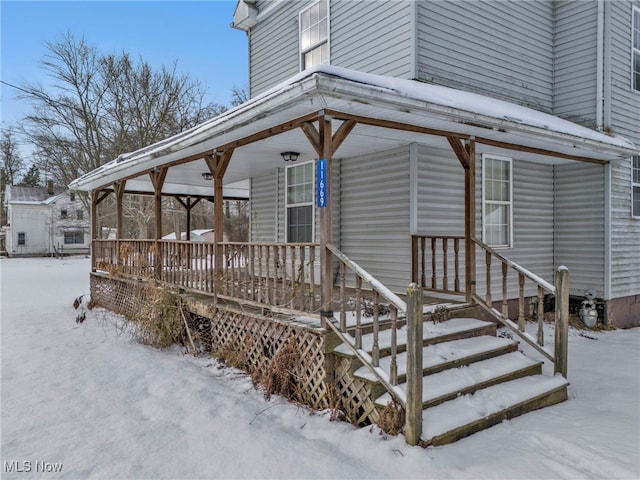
(364, 95)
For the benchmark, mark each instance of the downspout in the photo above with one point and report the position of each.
(277, 206)
(413, 55)
(600, 67)
(413, 189)
(604, 123)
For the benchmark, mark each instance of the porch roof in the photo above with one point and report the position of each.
(389, 112)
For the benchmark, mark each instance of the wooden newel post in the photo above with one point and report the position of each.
(562, 320)
(413, 427)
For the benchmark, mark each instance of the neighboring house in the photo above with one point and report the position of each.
(578, 60)
(45, 221)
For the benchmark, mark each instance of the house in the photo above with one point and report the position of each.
(453, 147)
(45, 221)
(569, 59)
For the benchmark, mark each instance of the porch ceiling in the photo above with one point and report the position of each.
(378, 104)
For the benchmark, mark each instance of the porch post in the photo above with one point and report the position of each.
(326, 227)
(94, 227)
(118, 188)
(157, 178)
(188, 233)
(470, 221)
(218, 163)
(96, 199)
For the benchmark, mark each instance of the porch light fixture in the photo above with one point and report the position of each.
(207, 175)
(290, 156)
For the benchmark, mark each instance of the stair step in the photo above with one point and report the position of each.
(449, 384)
(431, 334)
(471, 413)
(366, 322)
(446, 355)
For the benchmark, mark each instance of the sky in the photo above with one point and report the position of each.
(196, 34)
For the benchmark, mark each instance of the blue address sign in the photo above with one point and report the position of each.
(322, 193)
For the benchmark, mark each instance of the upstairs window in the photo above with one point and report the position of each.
(497, 205)
(300, 203)
(314, 35)
(635, 55)
(635, 186)
(63, 213)
(79, 214)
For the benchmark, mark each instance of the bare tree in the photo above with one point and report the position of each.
(239, 95)
(11, 164)
(101, 105)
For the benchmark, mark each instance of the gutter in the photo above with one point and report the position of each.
(374, 95)
(191, 141)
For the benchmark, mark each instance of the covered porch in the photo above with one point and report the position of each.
(328, 114)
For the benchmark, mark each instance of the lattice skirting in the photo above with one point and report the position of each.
(252, 341)
(255, 341)
(355, 394)
(124, 297)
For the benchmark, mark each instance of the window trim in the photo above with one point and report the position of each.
(75, 235)
(634, 184)
(304, 204)
(634, 51)
(485, 157)
(301, 52)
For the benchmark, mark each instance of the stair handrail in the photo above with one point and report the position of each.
(530, 275)
(376, 284)
(561, 292)
(387, 379)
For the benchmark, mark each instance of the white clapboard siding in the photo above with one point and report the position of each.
(500, 49)
(374, 215)
(625, 120)
(579, 225)
(274, 46)
(372, 36)
(575, 61)
(263, 208)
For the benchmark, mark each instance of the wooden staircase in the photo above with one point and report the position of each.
(472, 379)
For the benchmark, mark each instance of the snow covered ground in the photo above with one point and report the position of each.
(86, 401)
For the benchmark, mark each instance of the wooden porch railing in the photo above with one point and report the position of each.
(264, 274)
(411, 400)
(271, 274)
(436, 263)
(560, 291)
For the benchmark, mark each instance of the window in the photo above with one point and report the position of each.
(635, 186)
(72, 196)
(635, 49)
(22, 238)
(74, 237)
(314, 35)
(300, 203)
(497, 209)
(79, 214)
(63, 213)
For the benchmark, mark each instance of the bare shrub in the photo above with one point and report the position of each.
(335, 403)
(232, 356)
(392, 418)
(280, 376)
